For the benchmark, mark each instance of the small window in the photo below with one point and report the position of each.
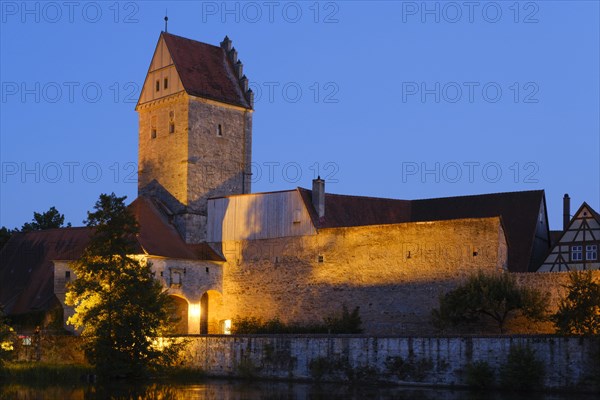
(175, 279)
(207, 270)
(171, 127)
(171, 114)
(576, 253)
(153, 134)
(591, 252)
(157, 86)
(67, 275)
(166, 83)
(321, 259)
(219, 130)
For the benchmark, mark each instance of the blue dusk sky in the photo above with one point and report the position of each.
(392, 99)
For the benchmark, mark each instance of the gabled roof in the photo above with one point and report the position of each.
(158, 237)
(557, 259)
(519, 212)
(26, 272)
(205, 70)
(26, 269)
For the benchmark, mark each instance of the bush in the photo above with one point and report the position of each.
(415, 369)
(522, 370)
(346, 322)
(480, 375)
(484, 297)
(579, 310)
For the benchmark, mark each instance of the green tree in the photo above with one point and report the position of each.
(579, 311)
(122, 310)
(7, 339)
(496, 297)
(46, 220)
(5, 235)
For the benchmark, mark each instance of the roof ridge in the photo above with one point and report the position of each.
(355, 196)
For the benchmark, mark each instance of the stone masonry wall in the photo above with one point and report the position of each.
(165, 157)
(394, 273)
(569, 363)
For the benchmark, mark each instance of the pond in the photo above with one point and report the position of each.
(244, 390)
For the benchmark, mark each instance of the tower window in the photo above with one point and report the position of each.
(157, 86)
(67, 275)
(166, 83)
(219, 130)
(153, 133)
(171, 127)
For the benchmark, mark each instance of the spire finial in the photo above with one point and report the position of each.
(166, 21)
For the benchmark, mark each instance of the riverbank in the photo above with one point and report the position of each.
(541, 363)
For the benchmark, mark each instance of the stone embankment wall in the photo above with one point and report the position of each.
(569, 363)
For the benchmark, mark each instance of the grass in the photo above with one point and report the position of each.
(43, 373)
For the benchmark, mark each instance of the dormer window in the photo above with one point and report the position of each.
(166, 83)
(157, 86)
(219, 130)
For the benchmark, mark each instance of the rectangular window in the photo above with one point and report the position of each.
(166, 83)
(67, 275)
(157, 86)
(219, 130)
(591, 252)
(576, 253)
(153, 134)
(171, 127)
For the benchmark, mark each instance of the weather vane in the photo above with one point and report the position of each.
(166, 21)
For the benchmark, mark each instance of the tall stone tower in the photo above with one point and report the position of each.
(195, 130)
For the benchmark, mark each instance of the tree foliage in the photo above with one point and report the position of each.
(47, 220)
(121, 308)
(496, 297)
(7, 339)
(579, 311)
(5, 235)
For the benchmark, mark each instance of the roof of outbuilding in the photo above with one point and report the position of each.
(205, 70)
(26, 270)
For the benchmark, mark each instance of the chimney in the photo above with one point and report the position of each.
(566, 211)
(226, 44)
(318, 196)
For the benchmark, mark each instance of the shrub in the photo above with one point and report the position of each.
(579, 310)
(522, 370)
(480, 375)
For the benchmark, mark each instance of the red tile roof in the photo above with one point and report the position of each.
(205, 70)
(518, 210)
(26, 269)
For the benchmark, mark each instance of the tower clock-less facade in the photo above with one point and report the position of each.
(195, 130)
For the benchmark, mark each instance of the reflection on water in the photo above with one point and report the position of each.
(237, 390)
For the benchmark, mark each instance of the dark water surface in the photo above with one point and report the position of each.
(238, 390)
